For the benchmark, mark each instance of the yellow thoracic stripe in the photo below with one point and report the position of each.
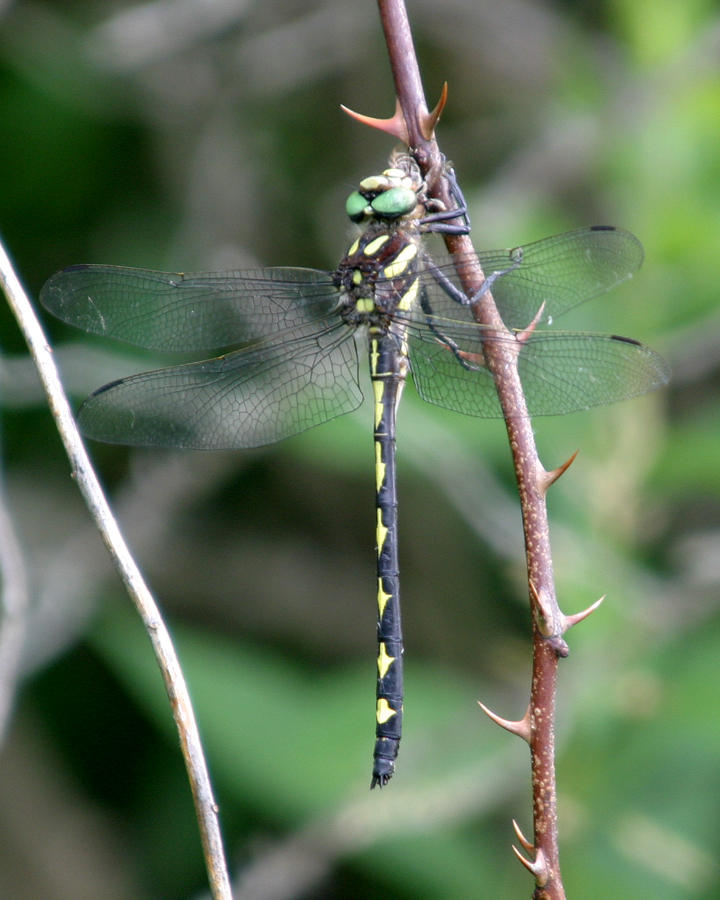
(408, 298)
(372, 248)
(401, 261)
(352, 249)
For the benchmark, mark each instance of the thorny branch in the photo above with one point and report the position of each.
(413, 124)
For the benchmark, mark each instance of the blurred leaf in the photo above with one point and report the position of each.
(283, 736)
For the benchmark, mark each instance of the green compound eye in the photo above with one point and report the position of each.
(395, 202)
(355, 206)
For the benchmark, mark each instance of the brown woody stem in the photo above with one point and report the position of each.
(548, 623)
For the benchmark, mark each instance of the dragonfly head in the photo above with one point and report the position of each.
(389, 196)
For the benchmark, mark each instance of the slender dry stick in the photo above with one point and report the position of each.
(205, 807)
(13, 612)
(415, 125)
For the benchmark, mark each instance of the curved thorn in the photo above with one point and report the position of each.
(430, 120)
(521, 837)
(524, 335)
(520, 727)
(548, 478)
(538, 866)
(395, 125)
(569, 621)
(530, 864)
(526, 862)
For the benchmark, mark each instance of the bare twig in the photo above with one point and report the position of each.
(82, 471)
(13, 611)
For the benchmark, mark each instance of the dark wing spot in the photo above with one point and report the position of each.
(106, 387)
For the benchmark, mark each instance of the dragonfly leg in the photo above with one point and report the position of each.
(459, 355)
(457, 194)
(444, 227)
(452, 290)
(437, 222)
(455, 293)
(516, 256)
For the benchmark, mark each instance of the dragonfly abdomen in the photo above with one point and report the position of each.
(380, 282)
(387, 371)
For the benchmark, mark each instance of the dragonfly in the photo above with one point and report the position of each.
(288, 343)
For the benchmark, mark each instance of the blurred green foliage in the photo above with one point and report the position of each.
(183, 135)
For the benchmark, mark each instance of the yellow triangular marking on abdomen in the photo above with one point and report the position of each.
(383, 598)
(384, 711)
(378, 391)
(380, 467)
(373, 356)
(384, 660)
(381, 532)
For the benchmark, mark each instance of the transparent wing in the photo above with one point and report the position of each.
(248, 398)
(561, 372)
(194, 312)
(300, 368)
(560, 271)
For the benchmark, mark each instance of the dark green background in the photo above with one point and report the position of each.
(208, 136)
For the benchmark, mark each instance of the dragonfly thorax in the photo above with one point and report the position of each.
(378, 276)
